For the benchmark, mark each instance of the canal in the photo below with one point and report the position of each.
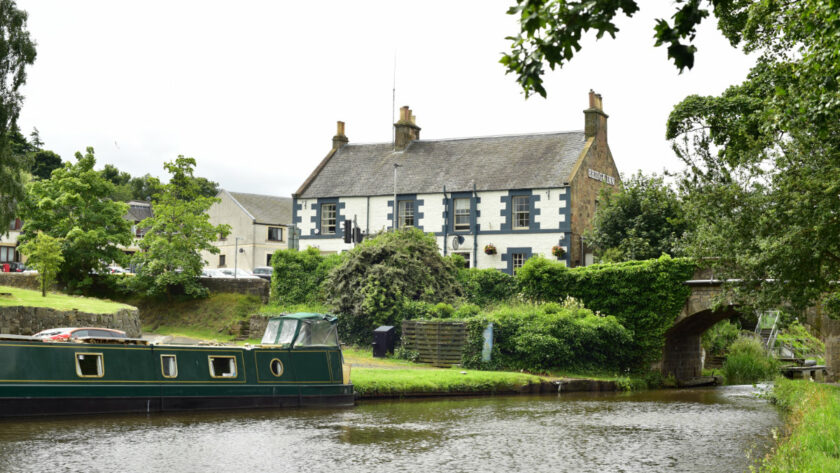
(696, 430)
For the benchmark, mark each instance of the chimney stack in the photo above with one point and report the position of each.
(406, 129)
(340, 139)
(596, 119)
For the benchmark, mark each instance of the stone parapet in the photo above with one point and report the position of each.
(253, 286)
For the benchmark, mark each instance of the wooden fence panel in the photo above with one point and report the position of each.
(439, 343)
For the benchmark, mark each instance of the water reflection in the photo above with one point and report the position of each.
(700, 430)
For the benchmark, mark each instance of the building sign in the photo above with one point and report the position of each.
(599, 176)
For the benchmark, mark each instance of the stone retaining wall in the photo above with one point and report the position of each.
(20, 280)
(257, 325)
(253, 286)
(20, 320)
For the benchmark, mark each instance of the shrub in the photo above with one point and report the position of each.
(380, 281)
(486, 286)
(536, 337)
(747, 362)
(803, 344)
(298, 276)
(718, 338)
(645, 296)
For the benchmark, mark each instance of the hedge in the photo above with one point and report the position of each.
(539, 337)
(645, 296)
(298, 276)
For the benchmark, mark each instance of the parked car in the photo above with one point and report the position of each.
(211, 273)
(240, 273)
(17, 267)
(71, 333)
(263, 272)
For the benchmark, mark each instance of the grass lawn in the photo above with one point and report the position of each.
(58, 301)
(377, 381)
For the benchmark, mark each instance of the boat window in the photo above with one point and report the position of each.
(287, 332)
(320, 333)
(223, 366)
(270, 334)
(89, 365)
(276, 367)
(169, 366)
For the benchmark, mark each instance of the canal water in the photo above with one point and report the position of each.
(698, 430)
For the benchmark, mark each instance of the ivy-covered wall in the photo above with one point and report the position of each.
(645, 296)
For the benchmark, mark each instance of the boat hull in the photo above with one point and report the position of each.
(47, 379)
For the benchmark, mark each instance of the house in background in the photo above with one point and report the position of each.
(138, 210)
(494, 200)
(259, 226)
(9, 242)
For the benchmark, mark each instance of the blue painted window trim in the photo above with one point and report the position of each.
(418, 207)
(507, 212)
(508, 256)
(449, 218)
(316, 219)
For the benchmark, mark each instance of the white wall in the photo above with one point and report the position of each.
(491, 219)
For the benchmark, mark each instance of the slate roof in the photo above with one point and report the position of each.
(492, 163)
(266, 209)
(138, 210)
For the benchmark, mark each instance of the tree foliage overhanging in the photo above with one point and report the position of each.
(763, 160)
(551, 30)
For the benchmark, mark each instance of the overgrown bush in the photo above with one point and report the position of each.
(803, 344)
(380, 281)
(747, 362)
(718, 338)
(645, 296)
(537, 337)
(298, 276)
(486, 286)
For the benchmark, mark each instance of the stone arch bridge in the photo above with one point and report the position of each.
(683, 353)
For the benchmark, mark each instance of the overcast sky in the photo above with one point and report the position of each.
(252, 89)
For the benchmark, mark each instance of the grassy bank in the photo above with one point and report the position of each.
(372, 382)
(207, 319)
(812, 441)
(58, 301)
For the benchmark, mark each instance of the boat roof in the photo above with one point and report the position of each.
(305, 316)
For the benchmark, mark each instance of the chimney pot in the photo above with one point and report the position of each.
(340, 139)
(595, 119)
(406, 129)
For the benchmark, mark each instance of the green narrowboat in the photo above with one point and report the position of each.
(298, 363)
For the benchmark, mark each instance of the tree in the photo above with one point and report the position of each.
(550, 31)
(44, 255)
(378, 279)
(44, 162)
(17, 51)
(145, 187)
(178, 232)
(643, 220)
(73, 205)
(763, 159)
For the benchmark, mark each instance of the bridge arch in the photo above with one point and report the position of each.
(682, 357)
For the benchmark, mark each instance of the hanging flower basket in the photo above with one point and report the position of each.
(558, 252)
(490, 249)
